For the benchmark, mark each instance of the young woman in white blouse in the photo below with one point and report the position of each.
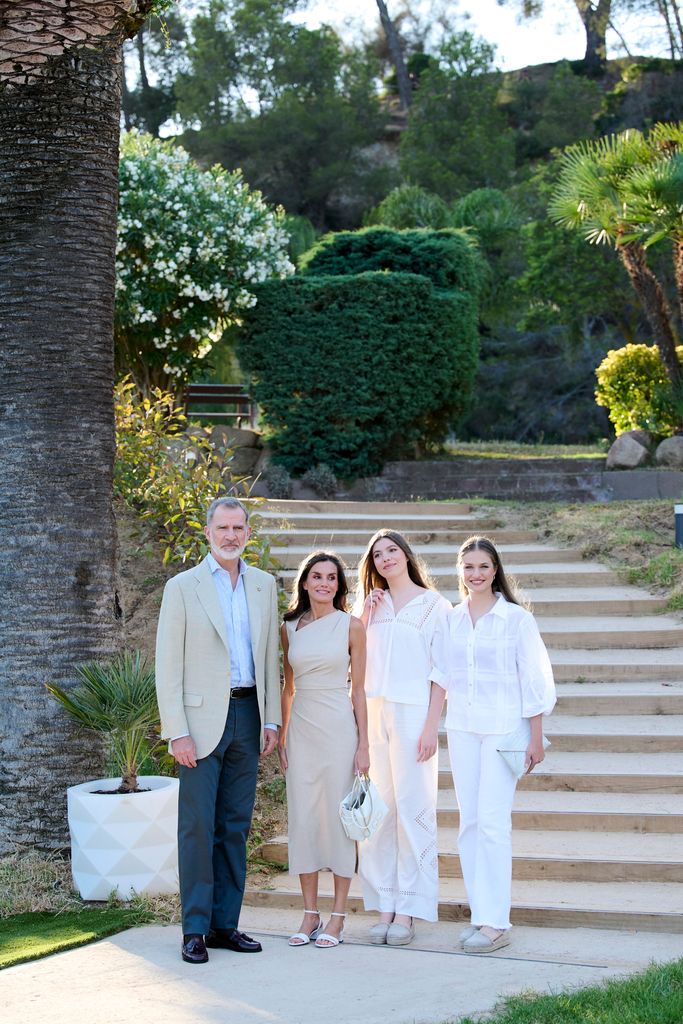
(398, 865)
(499, 677)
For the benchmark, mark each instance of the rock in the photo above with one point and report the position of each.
(643, 437)
(670, 452)
(627, 453)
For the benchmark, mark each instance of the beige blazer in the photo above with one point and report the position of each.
(193, 658)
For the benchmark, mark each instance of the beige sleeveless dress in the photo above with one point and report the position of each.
(321, 745)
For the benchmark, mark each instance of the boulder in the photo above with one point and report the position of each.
(627, 453)
(670, 452)
(643, 437)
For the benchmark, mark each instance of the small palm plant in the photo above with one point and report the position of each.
(116, 698)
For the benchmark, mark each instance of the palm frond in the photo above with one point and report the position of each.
(116, 698)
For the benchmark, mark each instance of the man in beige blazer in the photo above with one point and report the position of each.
(218, 688)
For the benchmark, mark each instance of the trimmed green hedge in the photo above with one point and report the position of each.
(351, 371)
(446, 257)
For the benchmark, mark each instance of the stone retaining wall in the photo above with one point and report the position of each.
(573, 480)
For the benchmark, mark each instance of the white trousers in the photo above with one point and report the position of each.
(485, 788)
(398, 865)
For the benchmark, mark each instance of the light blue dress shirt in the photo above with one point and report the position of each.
(236, 618)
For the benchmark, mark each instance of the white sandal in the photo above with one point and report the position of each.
(304, 938)
(327, 941)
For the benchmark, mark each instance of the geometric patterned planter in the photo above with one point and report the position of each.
(124, 842)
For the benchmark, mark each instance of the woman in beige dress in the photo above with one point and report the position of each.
(324, 736)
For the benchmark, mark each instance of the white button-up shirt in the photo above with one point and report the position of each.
(496, 672)
(400, 664)
(236, 616)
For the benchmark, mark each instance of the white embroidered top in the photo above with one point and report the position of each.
(399, 661)
(497, 671)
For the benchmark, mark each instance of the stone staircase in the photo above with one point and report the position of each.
(597, 838)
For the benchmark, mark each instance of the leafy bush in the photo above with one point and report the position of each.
(352, 371)
(191, 244)
(171, 477)
(279, 481)
(447, 258)
(322, 480)
(634, 388)
(410, 206)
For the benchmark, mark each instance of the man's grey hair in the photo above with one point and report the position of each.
(228, 503)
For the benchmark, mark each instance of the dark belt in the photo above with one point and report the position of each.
(239, 692)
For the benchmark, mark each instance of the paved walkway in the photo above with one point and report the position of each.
(138, 976)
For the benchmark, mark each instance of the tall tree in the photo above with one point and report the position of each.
(595, 18)
(457, 137)
(59, 128)
(292, 107)
(602, 193)
(394, 45)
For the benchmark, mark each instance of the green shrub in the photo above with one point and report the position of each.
(634, 388)
(410, 206)
(279, 481)
(171, 477)
(446, 258)
(355, 370)
(322, 480)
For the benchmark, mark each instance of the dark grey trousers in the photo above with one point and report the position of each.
(215, 806)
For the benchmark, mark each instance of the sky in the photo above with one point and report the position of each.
(556, 35)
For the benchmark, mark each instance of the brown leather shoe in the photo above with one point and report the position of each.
(231, 938)
(193, 950)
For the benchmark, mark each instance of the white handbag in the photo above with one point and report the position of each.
(513, 747)
(362, 810)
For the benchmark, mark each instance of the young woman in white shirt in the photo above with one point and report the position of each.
(499, 676)
(398, 865)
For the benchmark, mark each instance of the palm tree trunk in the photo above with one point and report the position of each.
(678, 270)
(656, 307)
(59, 127)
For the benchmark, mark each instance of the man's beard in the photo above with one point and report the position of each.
(226, 554)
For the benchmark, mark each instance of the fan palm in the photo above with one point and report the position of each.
(116, 698)
(655, 195)
(594, 195)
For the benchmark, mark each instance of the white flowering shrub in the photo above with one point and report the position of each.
(191, 244)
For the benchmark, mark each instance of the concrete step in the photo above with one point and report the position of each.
(437, 555)
(646, 906)
(341, 509)
(629, 698)
(331, 536)
(616, 665)
(598, 600)
(548, 574)
(626, 734)
(403, 522)
(591, 812)
(597, 632)
(619, 733)
(595, 771)
(560, 856)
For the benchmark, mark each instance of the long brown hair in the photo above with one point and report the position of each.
(368, 576)
(300, 601)
(501, 584)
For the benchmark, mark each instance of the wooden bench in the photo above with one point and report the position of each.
(222, 394)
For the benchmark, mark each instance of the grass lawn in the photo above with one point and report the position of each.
(654, 997)
(30, 936)
(516, 450)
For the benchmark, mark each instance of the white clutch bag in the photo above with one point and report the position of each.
(513, 747)
(362, 810)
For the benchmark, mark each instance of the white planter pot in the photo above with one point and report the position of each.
(124, 842)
